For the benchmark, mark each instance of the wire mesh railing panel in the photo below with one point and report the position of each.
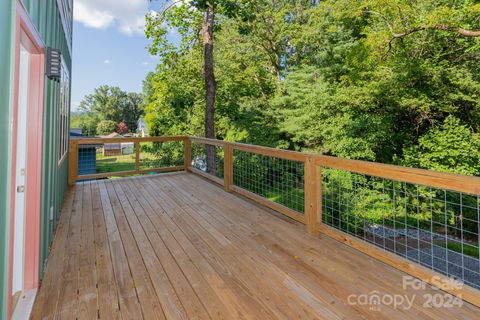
(279, 180)
(208, 158)
(436, 228)
(105, 158)
(156, 155)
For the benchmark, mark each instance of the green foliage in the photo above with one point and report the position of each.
(107, 164)
(276, 179)
(359, 200)
(105, 127)
(451, 147)
(109, 104)
(187, 17)
(161, 154)
(86, 121)
(175, 93)
(388, 21)
(358, 79)
(469, 250)
(393, 81)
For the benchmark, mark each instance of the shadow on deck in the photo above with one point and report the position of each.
(175, 246)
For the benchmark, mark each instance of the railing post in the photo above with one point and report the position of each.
(137, 157)
(72, 162)
(313, 195)
(187, 153)
(228, 167)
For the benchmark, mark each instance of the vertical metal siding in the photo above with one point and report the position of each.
(46, 16)
(6, 76)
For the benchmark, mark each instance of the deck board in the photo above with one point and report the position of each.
(175, 246)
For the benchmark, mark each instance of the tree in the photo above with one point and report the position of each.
(190, 19)
(105, 127)
(323, 76)
(122, 128)
(109, 103)
(86, 121)
(449, 147)
(397, 19)
(134, 110)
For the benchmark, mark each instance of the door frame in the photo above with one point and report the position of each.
(27, 35)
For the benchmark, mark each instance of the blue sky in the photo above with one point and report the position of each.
(109, 46)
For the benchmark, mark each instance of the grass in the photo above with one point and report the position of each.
(118, 163)
(289, 197)
(292, 198)
(468, 249)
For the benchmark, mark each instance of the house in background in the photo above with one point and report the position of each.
(142, 129)
(76, 132)
(117, 149)
(35, 68)
(112, 149)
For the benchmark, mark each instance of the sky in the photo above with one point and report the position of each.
(109, 45)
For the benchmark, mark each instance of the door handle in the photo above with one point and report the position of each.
(20, 189)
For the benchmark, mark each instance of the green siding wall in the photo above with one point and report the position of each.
(46, 16)
(6, 74)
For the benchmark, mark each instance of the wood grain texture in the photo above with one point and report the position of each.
(455, 182)
(137, 157)
(429, 178)
(175, 246)
(213, 142)
(127, 140)
(74, 143)
(313, 192)
(228, 167)
(128, 173)
(466, 293)
(207, 175)
(187, 154)
(270, 204)
(72, 163)
(267, 151)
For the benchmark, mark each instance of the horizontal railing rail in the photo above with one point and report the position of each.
(450, 181)
(423, 222)
(414, 246)
(98, 158)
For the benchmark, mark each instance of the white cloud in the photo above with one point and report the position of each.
(127, 16)
(145, 63)
(106, 61)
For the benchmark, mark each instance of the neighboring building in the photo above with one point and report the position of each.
(112, 149)
(77, 132)
(34, 120)
(142, 130)
(117, 149)
(128, 148)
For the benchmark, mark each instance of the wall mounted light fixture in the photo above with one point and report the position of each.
(54, 63)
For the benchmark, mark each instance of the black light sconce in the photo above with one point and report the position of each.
(54, 64)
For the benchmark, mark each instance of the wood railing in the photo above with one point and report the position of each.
(74, 144)
(314, 166)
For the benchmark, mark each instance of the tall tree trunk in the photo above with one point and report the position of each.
(210, 85)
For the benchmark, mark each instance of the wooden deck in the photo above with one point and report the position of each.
(175, 246)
